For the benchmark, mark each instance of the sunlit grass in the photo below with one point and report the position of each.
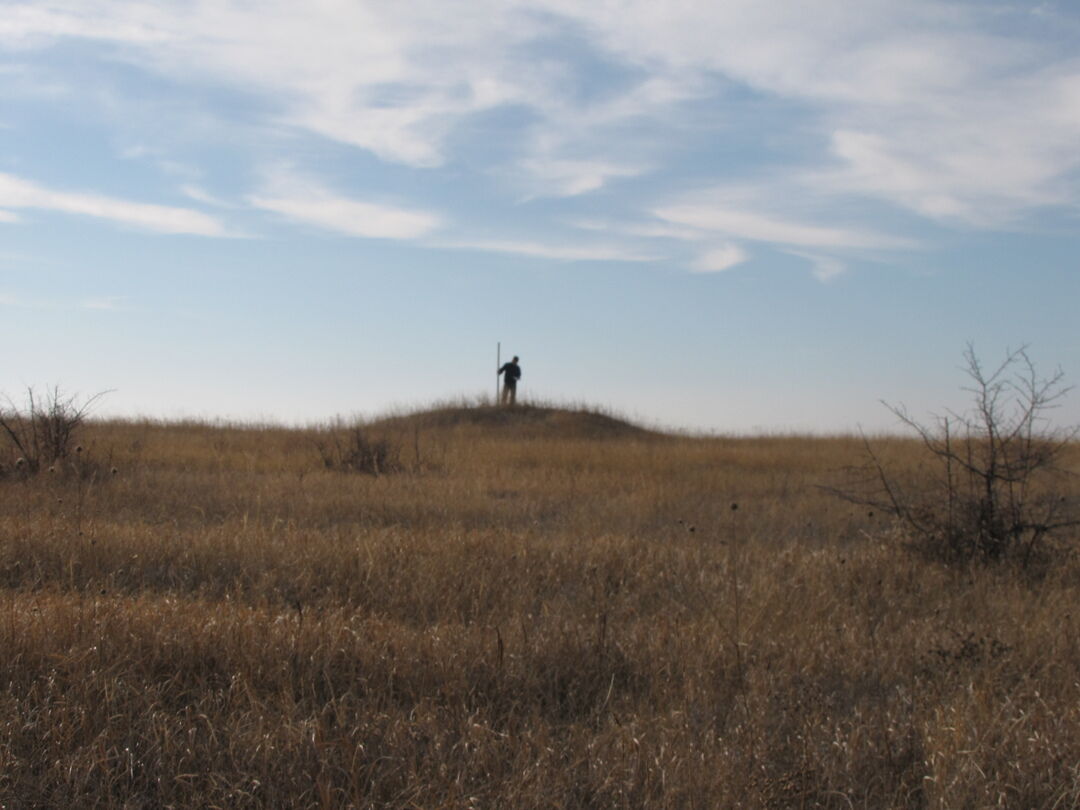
(527, 615)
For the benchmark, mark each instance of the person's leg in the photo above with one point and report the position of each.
(513, 394)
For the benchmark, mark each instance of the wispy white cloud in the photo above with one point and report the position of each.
(8, 216)
(200, 194)
(306, 201)
(719, 259)
(910, 101)
(104, 303)
(742, 223)
(561, 251)
(395, 79)
(949, 110)
(643, 229)
(826, 268)
(369, 74)
(16, 192)
(988, 164)
(777, 212)
(700, 223)
(159, 158)
(28, 25)
(569, 178)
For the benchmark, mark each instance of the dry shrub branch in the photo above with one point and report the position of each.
(355, 450)
(43, 430)
(992, 485)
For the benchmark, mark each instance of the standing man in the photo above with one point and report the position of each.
(511, 374)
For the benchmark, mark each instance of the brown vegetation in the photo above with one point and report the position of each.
(992, 485)
(515, 618)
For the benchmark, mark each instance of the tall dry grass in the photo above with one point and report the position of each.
(526, 616)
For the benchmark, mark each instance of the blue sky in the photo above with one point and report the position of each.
(740, 216)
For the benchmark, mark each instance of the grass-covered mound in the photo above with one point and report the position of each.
(524, 421)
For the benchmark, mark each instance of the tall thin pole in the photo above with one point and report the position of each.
(498, 365)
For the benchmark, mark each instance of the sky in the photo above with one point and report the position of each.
(748, 216)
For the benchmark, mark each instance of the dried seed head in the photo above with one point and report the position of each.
(78, 449)
(52, 468)
(20, 462)
(114, 471)
(734, 507)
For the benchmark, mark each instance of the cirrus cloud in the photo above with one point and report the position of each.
(306, 201)
(962, 113)
(720, 259)
(16, 192)
(562, 251)
(742, 223)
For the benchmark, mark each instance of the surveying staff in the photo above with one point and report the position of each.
(511, 373)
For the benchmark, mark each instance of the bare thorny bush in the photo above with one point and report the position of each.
(994, 486)
(43, 431)
(354, 450)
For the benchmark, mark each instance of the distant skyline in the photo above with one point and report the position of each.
(736, 217)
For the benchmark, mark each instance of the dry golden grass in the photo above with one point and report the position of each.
(527, 616)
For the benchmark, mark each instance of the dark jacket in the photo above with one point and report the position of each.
(511, 372)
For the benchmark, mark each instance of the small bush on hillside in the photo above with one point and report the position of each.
(43, 431)
(353, 450)
(993, 486)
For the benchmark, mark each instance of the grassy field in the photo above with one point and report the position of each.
(537, 610)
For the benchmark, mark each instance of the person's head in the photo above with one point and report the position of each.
(515, 358)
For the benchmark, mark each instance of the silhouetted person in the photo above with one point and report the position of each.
(511, 374)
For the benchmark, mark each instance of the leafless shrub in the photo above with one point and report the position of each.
(354, 450)
(992, 485)
(43, 430)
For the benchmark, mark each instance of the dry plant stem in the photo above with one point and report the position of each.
(733, 562)
(24, 485)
